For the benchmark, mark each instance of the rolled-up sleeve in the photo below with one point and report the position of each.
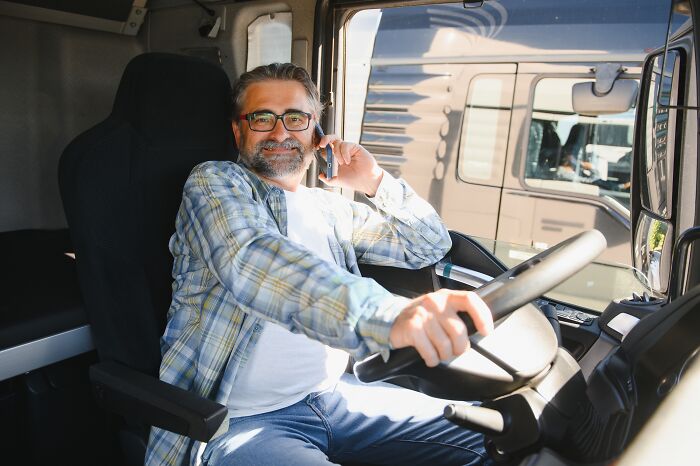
(405, 231)
(269, 276)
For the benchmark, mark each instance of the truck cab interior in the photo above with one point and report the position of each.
(107, 106)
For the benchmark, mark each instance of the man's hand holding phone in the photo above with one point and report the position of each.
(357, 168)
(331, 164)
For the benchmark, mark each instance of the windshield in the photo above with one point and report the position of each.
(523, 28)
(473, 108)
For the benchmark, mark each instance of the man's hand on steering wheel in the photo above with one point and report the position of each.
(431, 324)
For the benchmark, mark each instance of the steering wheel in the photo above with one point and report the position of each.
(523, 343)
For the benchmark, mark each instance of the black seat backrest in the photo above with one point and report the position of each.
(121, 184)
(544, 149)
(577, 140)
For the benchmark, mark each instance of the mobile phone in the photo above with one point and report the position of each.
(330, 163)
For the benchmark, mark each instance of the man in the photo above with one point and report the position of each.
(268, 300)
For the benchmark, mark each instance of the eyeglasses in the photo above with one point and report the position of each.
(266, 121)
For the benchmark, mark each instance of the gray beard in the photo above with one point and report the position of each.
(277, 166)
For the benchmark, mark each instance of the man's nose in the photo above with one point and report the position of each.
(279, 132)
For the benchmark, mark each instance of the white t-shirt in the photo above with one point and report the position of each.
(284, 366)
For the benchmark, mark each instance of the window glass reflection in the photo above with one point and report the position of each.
(652, 252)
(485, 129)
(575, 153)
(657, 162)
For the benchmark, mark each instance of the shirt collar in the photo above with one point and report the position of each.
(260, 185)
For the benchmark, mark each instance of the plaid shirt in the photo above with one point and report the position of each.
(234, 268)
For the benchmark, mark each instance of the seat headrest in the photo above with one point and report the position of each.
(160, 93)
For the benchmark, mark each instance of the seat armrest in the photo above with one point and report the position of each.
(144, 398)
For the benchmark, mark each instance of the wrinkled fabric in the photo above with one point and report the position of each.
(234, 268)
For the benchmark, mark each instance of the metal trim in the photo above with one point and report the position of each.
(462, 274)
(581, 200)
(135, 20)
(489, 59)
(39, 353)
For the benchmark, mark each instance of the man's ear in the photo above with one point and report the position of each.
(236, 132)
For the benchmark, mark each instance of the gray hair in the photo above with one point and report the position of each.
(275, 71)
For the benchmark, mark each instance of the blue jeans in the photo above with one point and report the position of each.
(377, 424)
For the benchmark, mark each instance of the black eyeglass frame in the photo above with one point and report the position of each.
(249, 116)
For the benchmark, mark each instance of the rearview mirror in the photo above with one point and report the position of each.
(619, 99)
(652, 252)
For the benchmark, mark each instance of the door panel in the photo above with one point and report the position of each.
(471, 209)
(544, 220)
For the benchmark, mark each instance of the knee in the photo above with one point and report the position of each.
(237, 449)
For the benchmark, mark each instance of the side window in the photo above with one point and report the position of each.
(576, 153)
(270, 40)
(652, 251)
(484, 136)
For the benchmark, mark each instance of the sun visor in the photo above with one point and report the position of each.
(119, 16)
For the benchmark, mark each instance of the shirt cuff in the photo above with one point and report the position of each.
(377, 329)
(389, 192)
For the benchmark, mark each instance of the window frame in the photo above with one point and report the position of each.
(259, 18)
(621, 211)
(679, 123)
(496, 180)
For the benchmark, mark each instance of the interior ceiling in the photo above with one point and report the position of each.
(116, 10)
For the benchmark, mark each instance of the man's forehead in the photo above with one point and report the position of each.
(276, 95)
